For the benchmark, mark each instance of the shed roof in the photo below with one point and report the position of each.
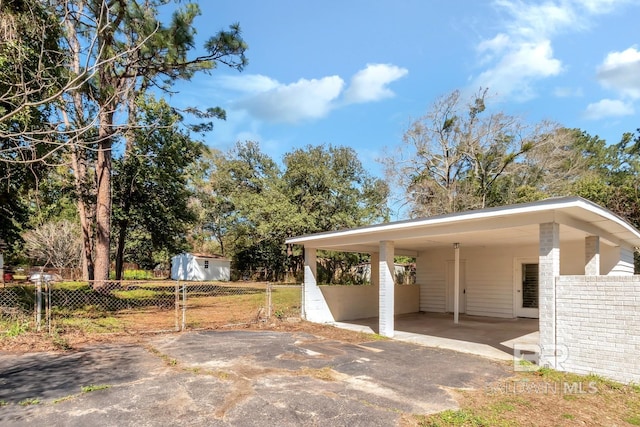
(206, 256)
(504, 225)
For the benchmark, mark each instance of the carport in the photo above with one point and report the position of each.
(495, 263)
(491, 337)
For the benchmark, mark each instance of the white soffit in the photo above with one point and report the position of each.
(513, 224)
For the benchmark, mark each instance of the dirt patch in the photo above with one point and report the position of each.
(33, 342)
(30, 342)
(324, 331)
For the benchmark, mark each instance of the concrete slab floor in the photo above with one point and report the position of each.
(490, 337)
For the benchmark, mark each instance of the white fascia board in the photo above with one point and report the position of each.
(610, 216)
(548, 205)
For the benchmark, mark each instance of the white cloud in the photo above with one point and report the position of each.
(370, 84)
(620, 71)
(608, 108)
(522, 53)
(250, 83)
(598, 7)
(538, 21)
(493, 47)
(304, 99)
(308, 99)
(518, 68)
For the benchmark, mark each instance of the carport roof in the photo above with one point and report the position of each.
(504, 225)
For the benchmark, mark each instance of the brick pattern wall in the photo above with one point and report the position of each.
(598, 323)
(387, 286)
(549, 268)
(592, 256)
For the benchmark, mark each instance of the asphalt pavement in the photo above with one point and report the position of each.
(236, 378)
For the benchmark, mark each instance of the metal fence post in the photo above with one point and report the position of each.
(38, 303)
(184, 306)
(269, 301)
(177, 305)
(48, 306)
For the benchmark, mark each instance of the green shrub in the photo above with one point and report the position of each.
(18, 328)
(134, 275)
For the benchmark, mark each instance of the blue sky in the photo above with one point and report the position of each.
(356, 72)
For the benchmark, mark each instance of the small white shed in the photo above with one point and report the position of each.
(199, 267)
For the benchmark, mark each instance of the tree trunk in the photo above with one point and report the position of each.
(79, 167)
(79, 159)
(127, 185)
(103, 200)
(122, 235)
(290, 273)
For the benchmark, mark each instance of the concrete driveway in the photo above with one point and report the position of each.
(237, 378)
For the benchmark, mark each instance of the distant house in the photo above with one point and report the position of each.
(199, 267)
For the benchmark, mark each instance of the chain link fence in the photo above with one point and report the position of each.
(142, 306)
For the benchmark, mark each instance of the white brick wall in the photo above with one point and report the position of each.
(592, 256)
(549, 265)
(598, 321)
(387, 287)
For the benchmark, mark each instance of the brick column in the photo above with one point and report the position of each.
(456, 283)
(549, 269)
(387, 289)
(592, 256)
(315, 306)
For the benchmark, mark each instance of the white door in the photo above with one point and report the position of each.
(462, 298)
(527, 289)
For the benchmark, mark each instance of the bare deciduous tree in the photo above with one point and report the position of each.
(453, 158)
(56, 244)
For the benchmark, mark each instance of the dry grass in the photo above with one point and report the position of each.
(215, 306)
(541, 398)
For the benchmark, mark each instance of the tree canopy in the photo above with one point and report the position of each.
(87, 62)
(251, 204)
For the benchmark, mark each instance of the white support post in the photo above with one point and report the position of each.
(315, 306)
(456, 283)
(387, 289)
(592, 256)
(549, 269)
